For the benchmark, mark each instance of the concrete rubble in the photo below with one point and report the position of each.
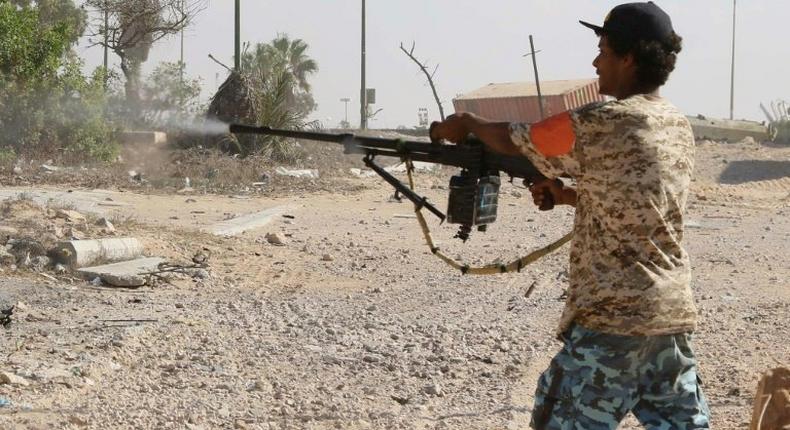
(238, 225)
(12, 379)
(36, 247)
(419, 166)
(124, 274)
(80, 253)
(301, 173)
(728, 130)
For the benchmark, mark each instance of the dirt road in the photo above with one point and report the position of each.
(353, 324)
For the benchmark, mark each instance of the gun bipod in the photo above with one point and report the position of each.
(419, 201)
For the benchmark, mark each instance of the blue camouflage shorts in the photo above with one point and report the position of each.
(597, 378)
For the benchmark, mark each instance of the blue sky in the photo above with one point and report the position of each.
(476, 42)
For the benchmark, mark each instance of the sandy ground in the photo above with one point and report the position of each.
(353, 324)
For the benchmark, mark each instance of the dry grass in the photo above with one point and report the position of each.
(213, 169)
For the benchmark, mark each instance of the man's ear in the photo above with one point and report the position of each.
(628, 60)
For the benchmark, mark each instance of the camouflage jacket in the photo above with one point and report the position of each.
(632, 161)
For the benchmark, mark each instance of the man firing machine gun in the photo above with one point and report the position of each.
(629, 312)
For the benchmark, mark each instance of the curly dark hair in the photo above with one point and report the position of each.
(654, 60)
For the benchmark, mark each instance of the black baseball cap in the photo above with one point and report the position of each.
(641, 21)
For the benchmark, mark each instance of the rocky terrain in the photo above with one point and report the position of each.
(349, 322)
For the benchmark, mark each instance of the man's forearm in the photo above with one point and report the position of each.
(496, 135)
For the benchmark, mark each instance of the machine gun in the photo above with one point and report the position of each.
(474, 192)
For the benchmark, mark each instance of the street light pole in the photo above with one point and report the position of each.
(237, 40)
(363, 96)
(183, 10)
(732, 67)
(106, 42)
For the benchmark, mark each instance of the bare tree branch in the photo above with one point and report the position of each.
(220, 63)
(429, 76)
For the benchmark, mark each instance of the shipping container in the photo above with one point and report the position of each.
(518, 101)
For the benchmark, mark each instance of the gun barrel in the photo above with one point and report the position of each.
(453, 155)
(362, 141)
(296, 134)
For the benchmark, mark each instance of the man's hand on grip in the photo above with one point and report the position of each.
(546, 193)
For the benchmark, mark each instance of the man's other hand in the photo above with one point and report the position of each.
(547, 192)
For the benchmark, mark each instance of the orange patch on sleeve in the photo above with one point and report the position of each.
(553, 136)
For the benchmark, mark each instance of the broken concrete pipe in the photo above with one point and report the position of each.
(81, 253)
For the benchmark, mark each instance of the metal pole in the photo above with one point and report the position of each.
(237, 42)
(732, 67)
(537, 80)
(181, 64)
(181, 61)
(363, 98)
(106, 41)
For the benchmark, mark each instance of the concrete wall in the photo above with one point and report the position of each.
(728, 130)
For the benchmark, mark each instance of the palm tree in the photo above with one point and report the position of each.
(287, 61)
(292, 56)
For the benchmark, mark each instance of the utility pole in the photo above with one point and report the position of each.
(732, 67)
(237, 43)
(537, 80)
(181, 64)
(363, 96)
(106, 41)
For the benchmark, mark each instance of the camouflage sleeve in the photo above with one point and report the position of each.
(550, 144)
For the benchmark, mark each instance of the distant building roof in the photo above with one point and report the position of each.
(526, 89)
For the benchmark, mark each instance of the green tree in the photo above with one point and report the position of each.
(29, 52)
(165, 91)
(47, 107)
(53, 13)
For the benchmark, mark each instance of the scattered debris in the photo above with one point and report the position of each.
(194, 270)
(135, 176)
(433, 390)
(24, 250)
(302, 173)
(360, 173)
(238, 225)
(202, 256)
(419, 166)
(5, 316)
(12, 379)
(6, 258)
(105, 225)
(70, 216)
(275, 239)
(39, 263)
(6, 232)
(124, 274)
